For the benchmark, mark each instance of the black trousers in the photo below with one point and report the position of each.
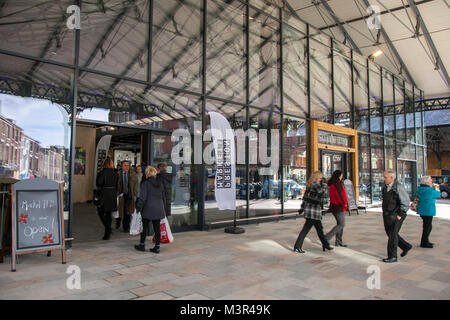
(309, 223)
(126, 217)
(145, 230)
(394, 239)
(106, 219)
(427, 226)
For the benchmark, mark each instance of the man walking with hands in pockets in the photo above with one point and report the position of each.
(395, 205)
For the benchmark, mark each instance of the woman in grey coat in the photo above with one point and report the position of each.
(151, 206)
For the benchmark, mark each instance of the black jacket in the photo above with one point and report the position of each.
(107, 183)
(395, 202)
(166, 180)
(151, 200)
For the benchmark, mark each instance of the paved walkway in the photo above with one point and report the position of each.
(258, 264)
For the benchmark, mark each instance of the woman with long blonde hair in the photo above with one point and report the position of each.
(316, 193)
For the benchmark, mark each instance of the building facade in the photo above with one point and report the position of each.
(169, 63)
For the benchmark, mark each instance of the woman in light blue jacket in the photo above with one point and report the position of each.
(427, 207)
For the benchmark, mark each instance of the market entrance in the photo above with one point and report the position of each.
(126, 143)
(334, 148)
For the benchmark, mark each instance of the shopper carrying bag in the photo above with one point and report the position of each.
(136, 224)
(151, 206)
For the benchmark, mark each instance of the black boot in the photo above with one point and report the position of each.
(155, 249)
(327, 247)
(140, 247)
(118, 220)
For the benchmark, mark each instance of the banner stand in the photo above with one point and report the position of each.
(234, 229)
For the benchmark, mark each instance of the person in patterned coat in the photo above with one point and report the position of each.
(316, 194)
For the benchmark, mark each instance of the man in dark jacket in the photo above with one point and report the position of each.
(166, 180)
(395, 205)
(128, 187)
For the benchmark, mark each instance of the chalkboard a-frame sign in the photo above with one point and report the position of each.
(37, 218)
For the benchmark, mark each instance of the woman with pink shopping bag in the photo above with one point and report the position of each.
(151, 205)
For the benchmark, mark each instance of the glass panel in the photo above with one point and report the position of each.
(295, 162)
(364, 169)
(237, 121)
(114, 40)
(153, 108)
(361, 97)
(269, 7)
(291, 20)
(418, 115)
(184, 198)
(177, 43)
(225, 67)
(409, 103)
(399, 110)
(388, 104)
(320, 81)
(377, 158)
(294, 72)
(420, 164)
(391, 159)
(342, 90)
(268, 195)
(35, 138)
(264, 61)
(406, 151)
(36, 28)
(375, 100)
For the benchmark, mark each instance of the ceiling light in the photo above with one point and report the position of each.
(376, 54)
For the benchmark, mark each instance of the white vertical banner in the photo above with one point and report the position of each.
(100, 155)
(224, 147)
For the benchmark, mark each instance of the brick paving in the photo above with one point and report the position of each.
(258, 264)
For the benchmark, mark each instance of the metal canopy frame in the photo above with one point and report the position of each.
(74, 100)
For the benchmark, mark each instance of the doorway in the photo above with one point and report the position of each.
(407, 175)
(330, 161)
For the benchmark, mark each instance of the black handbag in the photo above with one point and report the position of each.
(98, 199)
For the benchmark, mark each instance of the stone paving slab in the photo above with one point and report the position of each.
(259, 264)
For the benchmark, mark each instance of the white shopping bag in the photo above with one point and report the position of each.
(115, 214)
(136, 223)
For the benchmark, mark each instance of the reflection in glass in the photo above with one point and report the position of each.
(342, 90)
(225, 47)
(264, 61)
(295, 162)
(361, 96)
(388, 104)
(294, 72)
(320, 81)
(377, 158)
(177, 44)
(364, 169)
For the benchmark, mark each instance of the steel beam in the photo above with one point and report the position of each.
(394, 50)
(439, 64)
(341, 27)
(108, 32)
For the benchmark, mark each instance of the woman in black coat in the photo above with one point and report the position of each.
(166, 180)
(107, 184)
(151, 206)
